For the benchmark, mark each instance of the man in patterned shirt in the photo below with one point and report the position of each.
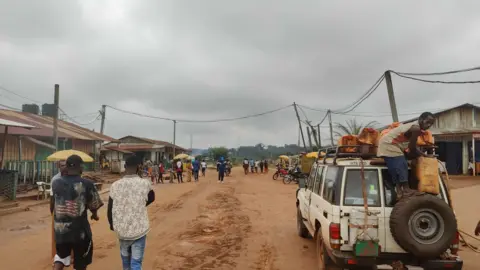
(73, 195)
(127, 214)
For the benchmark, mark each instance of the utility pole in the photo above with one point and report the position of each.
(391, 96)
(191, 141)
(309, 138)
(102, 113)
(56, 99)
(174, 135)
(319, 137)
(331, 127)
(300, 126)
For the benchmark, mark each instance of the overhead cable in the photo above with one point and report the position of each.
(201, 121)
(433, 81)
(18, 95)
(367, 94)
(437, 73)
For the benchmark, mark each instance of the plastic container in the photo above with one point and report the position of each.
(346, 140)
(428, 175)
(368, 136)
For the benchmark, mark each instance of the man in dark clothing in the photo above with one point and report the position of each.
(73, 195)
(195, 169)
(221, 169)
(261, 166)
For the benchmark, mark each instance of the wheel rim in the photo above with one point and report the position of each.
(426, 226)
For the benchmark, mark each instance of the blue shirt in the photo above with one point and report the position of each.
(252, 163)
(221, 166)
(196, 165)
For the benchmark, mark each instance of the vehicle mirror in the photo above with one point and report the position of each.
(301, 182)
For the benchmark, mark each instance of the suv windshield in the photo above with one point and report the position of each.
(353, 188)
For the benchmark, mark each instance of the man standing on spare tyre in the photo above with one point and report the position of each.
(392, 148)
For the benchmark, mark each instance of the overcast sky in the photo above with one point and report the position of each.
(203, 60)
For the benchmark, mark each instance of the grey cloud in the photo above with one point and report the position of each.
(222, 59)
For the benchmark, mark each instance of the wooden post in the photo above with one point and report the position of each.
(474, 165)
(174, 136)
(300, 126)
(391, 96)
(55, 116)
(309, 138)
(5, 134)
(102, 113)
(331, 128)
(319, 137)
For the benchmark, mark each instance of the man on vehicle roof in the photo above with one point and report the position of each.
(393, 145)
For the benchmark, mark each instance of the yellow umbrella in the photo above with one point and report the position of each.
(181, 156)
(64, 154)
(283, 157)
(312, 155)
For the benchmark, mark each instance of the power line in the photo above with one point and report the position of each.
(363, 98)
(433, 81)
(201, 121)
(18, 95)
(81, 124)
(437, 73)
(11, 108)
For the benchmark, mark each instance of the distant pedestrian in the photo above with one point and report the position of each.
(252, 165)
(127, 214)
(196, 169)
(221, 169)
(260, 164)
(204, 167)
(256, 166)
(73, 195)
(189, 170)
(154, 174)
(245, 166)
(161, 171)
(179, 171)
(265, 165)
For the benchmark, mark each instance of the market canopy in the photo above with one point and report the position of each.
(181, 156)
(283, 157)
(312, 155)
(64, 154)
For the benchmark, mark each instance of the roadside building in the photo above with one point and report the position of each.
(147, 149)
(26, 150)
(457, 135)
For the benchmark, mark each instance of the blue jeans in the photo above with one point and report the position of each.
(398, 169)
(132, 253)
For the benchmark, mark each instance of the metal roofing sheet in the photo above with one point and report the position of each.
(10, 123)
(44, 127)
(443, 131)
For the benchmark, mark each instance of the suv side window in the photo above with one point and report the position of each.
(329, 185)
(311, 177)
(354, 189)
(318, 180)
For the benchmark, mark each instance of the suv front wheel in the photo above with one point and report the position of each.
(323, 260)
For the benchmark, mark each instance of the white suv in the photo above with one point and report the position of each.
(420, 230)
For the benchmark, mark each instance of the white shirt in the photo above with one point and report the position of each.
(245, 162)
(204, 164)
(257, 163)
(179, 164)
(129, 211)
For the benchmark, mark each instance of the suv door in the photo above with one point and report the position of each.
(316, 207)
(328, 199)
(352, 199)
(308, 192)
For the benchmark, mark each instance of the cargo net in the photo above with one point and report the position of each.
(8, 184)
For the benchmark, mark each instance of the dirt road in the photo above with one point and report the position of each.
(246, 223)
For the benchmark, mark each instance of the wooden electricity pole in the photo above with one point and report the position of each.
(56, 99)
(319, 137)
(309, 138)
(102, 113)
(300, 126)
(391, 96)
(331, 127)
(174, 136)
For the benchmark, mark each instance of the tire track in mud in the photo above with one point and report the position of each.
(212, 240)
(266, 258)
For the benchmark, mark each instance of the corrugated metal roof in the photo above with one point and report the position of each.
(9, 123)
(111, 148)
(44, 127)
(465, 105)
(152, 142)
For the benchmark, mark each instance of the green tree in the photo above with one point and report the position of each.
(352, 126)
(217, 152)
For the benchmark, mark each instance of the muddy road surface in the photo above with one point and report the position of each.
(248, 222)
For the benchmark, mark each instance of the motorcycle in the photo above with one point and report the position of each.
(280, 172)
(293, 176)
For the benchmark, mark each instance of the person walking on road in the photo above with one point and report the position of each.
(245, 166)
(252, 165)
(256, 166)
(179, 171)
(73, 195)
(393, 146)
(261, 166)
(127, 214)
(265, 166)
(221, 169)
(204, 167)
(196, 169)
(161, 171)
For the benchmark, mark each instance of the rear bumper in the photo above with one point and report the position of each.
(348, 260)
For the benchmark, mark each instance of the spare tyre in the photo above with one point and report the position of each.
(423, 225)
